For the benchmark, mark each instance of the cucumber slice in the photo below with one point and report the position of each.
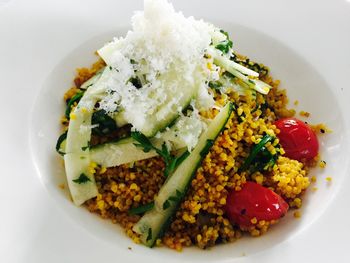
(153, 125)
(107, 51)
(119, 152)
(123, 151)
(154, 222)
(91, 81)
(77, 157)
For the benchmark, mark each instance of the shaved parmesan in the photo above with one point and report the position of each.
(165, 50)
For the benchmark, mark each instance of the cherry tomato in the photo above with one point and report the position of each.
(256, 201)
(297, 139)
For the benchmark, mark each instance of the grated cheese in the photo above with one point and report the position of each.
(166, 50)
(185, 132)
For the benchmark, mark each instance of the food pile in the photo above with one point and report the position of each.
(179, 139)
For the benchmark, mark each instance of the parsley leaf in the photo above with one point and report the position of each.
(171, 161)
(136, 82)
(216, 85)
(260, 159)
(106, 124)
(143, 141)
(84, 148)
(174, 198)
(207, 147)
(149, 236)
(59, 143)
(82, 179)
(224, 46)
(75, 99)
(141, 209)
(224, 32)
(166, 204)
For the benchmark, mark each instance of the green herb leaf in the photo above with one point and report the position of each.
(105, 123)
(166, 204)
(149, 236)
(206, 148)
(181, 158)
(260, 158)
(76, 98)
(143, 141)
(84, 148)
(136, 82)
(174, 198)
(59, 143)
(224, 46)
(225, 33)
(216, 85)
(82, 179)
(141, 209)
(171, 162)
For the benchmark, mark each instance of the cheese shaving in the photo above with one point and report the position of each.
(165, 52)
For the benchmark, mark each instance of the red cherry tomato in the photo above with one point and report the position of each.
(297, 139)
(252, 201)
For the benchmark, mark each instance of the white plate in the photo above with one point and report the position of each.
(304, 43)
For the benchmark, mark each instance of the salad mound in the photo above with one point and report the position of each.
(179, 139)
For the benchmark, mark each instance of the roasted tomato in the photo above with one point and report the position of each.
(254, 200)
(297, 139)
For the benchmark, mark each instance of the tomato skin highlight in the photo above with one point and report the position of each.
(297, 139)
(254, 200)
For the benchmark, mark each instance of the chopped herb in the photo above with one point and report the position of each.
(132, 61)
(82, 179)
(143, 141)
(181, 158)
(224, 46)
(229, 75)
(264, 106)
(172, 123)
(260, 158)
(241, 118)
(149, 236)
(141, 209)
(59, 143)
(174, 198)
(136, 82)
(225, 33)
(171, 161)
(84, 148)
(75, 99)
(106, 124)
(166, 204)
(207, 147)
(110, 68)
(215, 85)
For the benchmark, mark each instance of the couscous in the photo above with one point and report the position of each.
(249, 159)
